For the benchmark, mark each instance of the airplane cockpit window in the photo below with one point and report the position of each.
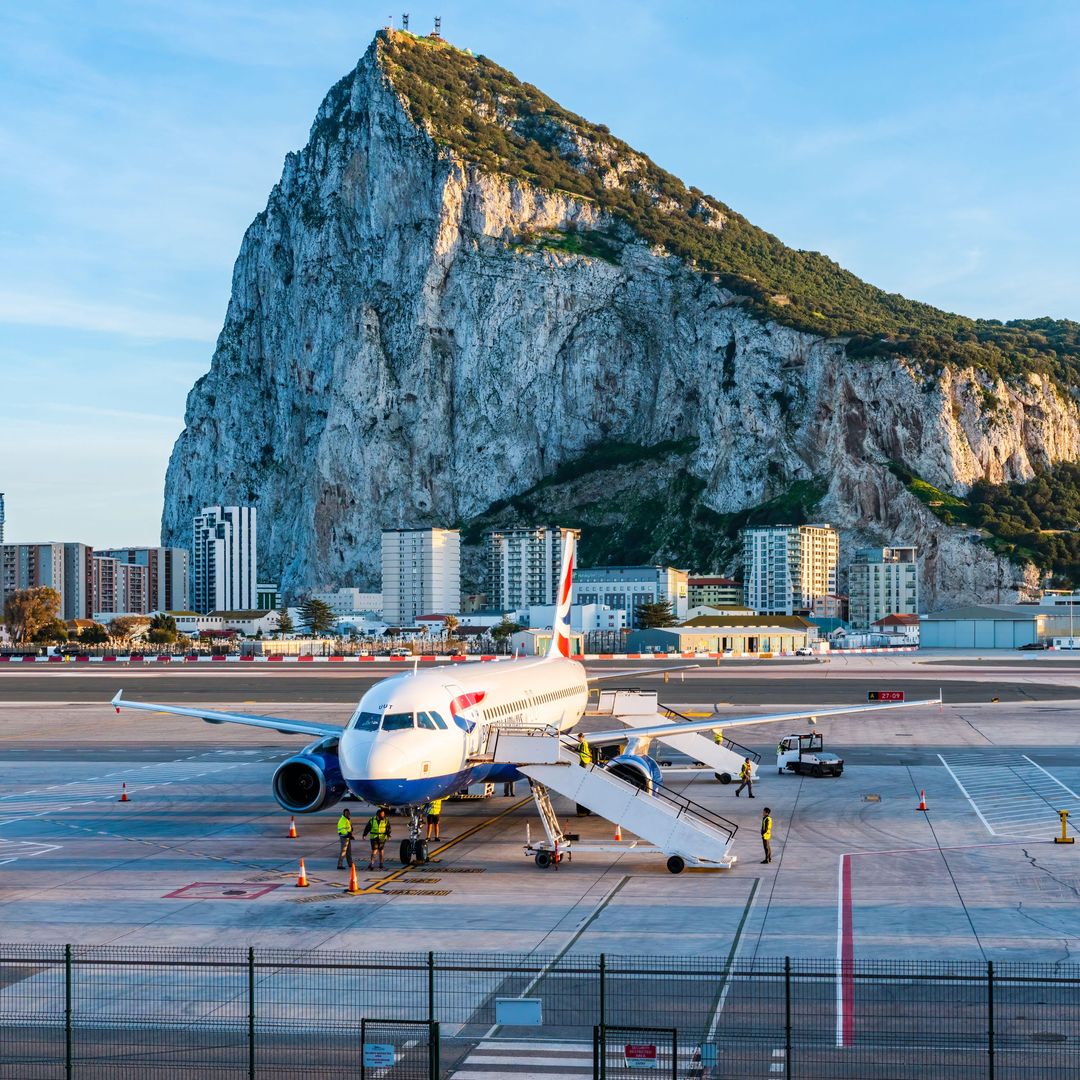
(424, 720)
(439, 721)
(367, 721)
(397, 721)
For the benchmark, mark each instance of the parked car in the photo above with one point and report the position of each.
(804, 650)
(1033, 645)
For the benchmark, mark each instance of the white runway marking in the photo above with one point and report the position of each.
(57, 797)
(10, 850)
(1013, 796)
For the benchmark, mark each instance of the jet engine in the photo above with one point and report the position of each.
(311, 780)
(636, 769)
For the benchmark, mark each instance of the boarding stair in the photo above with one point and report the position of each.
(640, 708)
(690, 834)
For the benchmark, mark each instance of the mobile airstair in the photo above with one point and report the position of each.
(636, 708)
(664, 821)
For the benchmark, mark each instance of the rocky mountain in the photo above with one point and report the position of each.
(464, 305)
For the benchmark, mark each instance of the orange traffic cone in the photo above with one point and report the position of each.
(618, 831)
(354, 885)
(292, 828)
(302, 881)
(922, 800)
(123, 793)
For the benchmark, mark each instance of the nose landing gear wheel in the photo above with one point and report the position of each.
(406, 852)
(420, 852)
(676, 864)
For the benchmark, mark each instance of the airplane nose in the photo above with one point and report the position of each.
(379, 774)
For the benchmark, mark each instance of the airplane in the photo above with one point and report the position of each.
(418, 736)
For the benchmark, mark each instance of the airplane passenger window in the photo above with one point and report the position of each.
(399, 721)
(424, 720)
(367, 721)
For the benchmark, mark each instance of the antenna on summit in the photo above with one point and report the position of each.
(404, 20)
(437, 32)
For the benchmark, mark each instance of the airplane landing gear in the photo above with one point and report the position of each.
(415, 847)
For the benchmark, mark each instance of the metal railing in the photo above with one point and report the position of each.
(731, 744)
(116, 1012)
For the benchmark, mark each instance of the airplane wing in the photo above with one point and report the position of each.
(659, 730)
(273, 723)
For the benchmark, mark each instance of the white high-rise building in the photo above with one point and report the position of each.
(881, 582)
(421, 574)
(167, 587)
(787, 567)
(523, 566)
(223, 559)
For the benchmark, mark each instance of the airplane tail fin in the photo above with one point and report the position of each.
(560, 628)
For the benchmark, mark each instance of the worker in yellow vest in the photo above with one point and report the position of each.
(766, 834)
(746, 775)
(434, 812)
(584, 752)
(718, 736)
(378, 830)
(345, 838)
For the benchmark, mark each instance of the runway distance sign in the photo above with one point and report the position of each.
(885, 695)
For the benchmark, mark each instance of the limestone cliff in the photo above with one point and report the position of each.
(413, 335)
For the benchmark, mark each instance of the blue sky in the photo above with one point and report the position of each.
(929, 147)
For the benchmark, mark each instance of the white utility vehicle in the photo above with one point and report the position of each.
(805, 754)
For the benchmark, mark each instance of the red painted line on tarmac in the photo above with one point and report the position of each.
(847, 958)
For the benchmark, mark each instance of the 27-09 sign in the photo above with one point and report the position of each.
(885, 695)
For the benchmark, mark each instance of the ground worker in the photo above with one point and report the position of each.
(434, 812)
(746, 775)
(378, 829)
(718, 736)
(508, 789)
(766, 834)
(345, 837)
(584, 752)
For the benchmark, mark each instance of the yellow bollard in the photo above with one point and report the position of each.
(665, 676)
(1064, 838)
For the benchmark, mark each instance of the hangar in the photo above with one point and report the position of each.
(998, 626)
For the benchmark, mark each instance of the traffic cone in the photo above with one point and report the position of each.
(123, 793)
(302, 881)
(618, 831)
(922, 800)
(354, 885)
(292, 828)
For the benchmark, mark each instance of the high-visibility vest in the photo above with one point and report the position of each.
(379, 827)
(434, 808)
(744, 772)
(766, 827)
(584, 753)
(344, 826)
(718, 736)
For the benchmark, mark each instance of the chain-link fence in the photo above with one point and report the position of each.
(97, 1012)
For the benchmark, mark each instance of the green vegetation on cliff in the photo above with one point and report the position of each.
(640, 504)
(1034, 521)
(488, 116)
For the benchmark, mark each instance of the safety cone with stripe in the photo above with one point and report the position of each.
(922, 800)
(302, 881)
(618, 831)
(123, 794)
(292, 828)
(354, 885)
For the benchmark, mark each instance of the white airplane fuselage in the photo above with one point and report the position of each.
(414, 737)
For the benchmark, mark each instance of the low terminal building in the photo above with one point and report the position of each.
(537, 642)
(996, 626)
(737, 635)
